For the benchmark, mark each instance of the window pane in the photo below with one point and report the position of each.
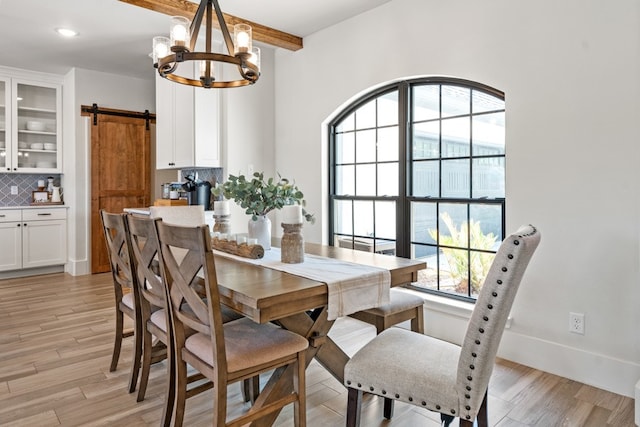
(345, 148)
(387, 179)
(455, 178)
(423, 222)
(485, 102)
(345, 184)
(456, 136)
(342, 216)
(366, 116)
(453, 225)
(488, 134)
(385, 220)
(487, 226)
(425, 179)
(426, 102)
(363, 218)
(388, 109)
(454, 271)
(488, 177)
(480, 264)
(388, 144)
(366, 146)
(456, 101)
(426, 140)
(347, 124)
(366, 180)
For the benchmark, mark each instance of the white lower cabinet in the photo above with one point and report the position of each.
(33, 238)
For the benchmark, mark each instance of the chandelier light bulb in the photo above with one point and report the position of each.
(242, 36)
(179, 31)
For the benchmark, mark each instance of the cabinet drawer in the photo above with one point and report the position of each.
(10, 215)
(43, 214)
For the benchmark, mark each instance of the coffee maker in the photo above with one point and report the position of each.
(198, 192)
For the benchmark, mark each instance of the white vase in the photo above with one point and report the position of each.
(261, 229)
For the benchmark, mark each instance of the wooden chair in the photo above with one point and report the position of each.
(126, 301)
(402, 306)
(223, 353)
(435, 374)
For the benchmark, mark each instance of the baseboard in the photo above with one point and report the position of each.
(78, 268)
(597, 370)
(31, 271)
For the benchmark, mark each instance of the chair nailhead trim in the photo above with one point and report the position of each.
(474, 354)
(510, 256)
(438, 407)
(499, 282)
(468, 408)
(468, 417)
(516, 242)
(495, 294)
(481, 330)
(490, 306)
(485, 318)
(370, 388)
(348, 382)
(424, 403)
(384, 391)
(468, 388)
(359, 385)
(411, 399)
(470, 378)
(397, 396)
(504, 269)
(468, 396)
(472, 367)
(453, 411)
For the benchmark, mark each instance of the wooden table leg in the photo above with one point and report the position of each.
(315, 327)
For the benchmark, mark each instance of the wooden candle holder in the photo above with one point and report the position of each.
(242, 249)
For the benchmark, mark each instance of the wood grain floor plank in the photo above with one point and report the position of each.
(57, 338)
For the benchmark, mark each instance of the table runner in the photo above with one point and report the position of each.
(351, 287)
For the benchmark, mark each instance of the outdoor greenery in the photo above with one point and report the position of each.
(259, 196)
(459, 259)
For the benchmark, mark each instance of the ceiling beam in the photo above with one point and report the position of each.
(188, 9)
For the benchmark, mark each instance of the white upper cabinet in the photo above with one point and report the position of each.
(30, 125)
(187, 126)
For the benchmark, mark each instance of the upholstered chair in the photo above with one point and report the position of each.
(126, 301)
(223, 353)
(435, 374)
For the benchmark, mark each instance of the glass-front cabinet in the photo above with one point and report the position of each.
(36, 127)
(30, 125)
(5, 122)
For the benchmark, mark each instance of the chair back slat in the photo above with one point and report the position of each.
(145, 248)
(119, 251)
(187, 260)
(492, 308)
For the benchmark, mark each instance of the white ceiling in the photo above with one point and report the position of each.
(115, 37)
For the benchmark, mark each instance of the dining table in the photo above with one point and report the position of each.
(298, 304)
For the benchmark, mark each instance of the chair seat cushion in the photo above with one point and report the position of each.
(417, 368)
(248, 344)
(159, 319)
(399, 301)
(127, 299)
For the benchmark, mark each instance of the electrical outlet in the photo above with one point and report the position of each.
(14, 190)
(576, 323)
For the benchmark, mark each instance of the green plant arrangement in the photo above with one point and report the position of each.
(480, 262)
(259, 196)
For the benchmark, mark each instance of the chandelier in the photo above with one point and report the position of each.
(168, 53)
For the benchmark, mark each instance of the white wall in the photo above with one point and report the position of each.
(570, 74)
(85, 87)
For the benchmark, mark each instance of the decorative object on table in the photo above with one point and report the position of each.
(292, 245)
(41, 186)
(224, 244)
(259, 197)
(221, 217)
(50, 184)
(168, 53)
(56, 195)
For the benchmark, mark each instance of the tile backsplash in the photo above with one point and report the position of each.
(26, 183)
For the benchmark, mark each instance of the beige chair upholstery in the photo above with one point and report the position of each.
(435, 374)
(223, 353)
(126, 301)
(179, 215)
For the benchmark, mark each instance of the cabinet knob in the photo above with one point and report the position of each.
(18, 224)
(25, 224)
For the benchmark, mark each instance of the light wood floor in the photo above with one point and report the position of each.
(56, 341)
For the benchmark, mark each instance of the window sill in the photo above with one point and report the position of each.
(445, 305)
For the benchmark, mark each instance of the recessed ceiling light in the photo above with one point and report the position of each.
(66, 32)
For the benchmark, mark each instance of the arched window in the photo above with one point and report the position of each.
(417, 169)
